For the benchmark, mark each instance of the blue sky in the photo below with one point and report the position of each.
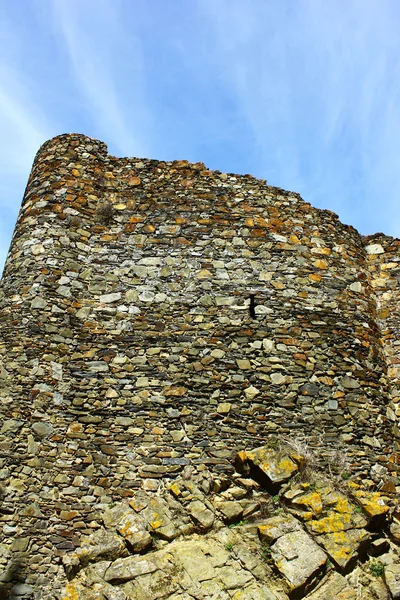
(303, 93)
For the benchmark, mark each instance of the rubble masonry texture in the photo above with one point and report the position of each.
(156, 315)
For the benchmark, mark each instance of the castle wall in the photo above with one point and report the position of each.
(383, 261)
(158, 315)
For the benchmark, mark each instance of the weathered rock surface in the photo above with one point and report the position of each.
(309, 541)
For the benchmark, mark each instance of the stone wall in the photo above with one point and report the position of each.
(157, 316)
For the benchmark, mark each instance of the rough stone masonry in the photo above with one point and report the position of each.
(157, 317)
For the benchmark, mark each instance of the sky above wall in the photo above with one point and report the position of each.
(303, 93)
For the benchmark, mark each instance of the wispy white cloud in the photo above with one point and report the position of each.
(98, 45)
(306, 94)
(318, 88)
(23, 128)
(20, 123)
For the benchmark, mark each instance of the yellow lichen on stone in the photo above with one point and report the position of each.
(157, 522)
(176, 490)
(311, 501)
(126, 528)
(72, 591)
(343, 506)
(372, 503)
(331, 524)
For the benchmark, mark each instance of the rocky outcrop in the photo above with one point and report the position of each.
(211, 537)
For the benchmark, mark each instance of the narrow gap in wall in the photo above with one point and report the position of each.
(252, 307)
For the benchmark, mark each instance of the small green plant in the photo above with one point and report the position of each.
(313, 487)
(266, 552)
(237, 524)
(279, 511)
(358, 509)
(275, 499)
(377, 568)
(345, 475)
(229, 547)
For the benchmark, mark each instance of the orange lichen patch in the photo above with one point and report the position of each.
(353, 485)
(342, 516)
(275, 527)
(333, 523)
(109, 175)
(156, 522)
(187, 182)
(284, 468)
(180, 164)
(204, 274)
(174, 391)
(175, 489)
(260, 221)
(321, 264)
(184, 241)
(137, 505)
(293, 239)
(277, 468)
(126, 528)
(325, 251)
(311, 501)
(315, 277)
(249, 222)
(75, 172)
(72, 590)
(276, 224)
(258, 232)
(342, 546)
(372, 503)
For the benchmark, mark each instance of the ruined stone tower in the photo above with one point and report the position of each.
(157, 315)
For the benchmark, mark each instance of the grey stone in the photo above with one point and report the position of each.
(42, 430)
(392, 579)
(201, 514)
(231, 510)
(21, 589)
(11, 425)
(101, 545)
(125, 569)
(298, 558)
(349, 383)
(109, 298)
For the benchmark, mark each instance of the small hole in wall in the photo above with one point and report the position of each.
(252, 307)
